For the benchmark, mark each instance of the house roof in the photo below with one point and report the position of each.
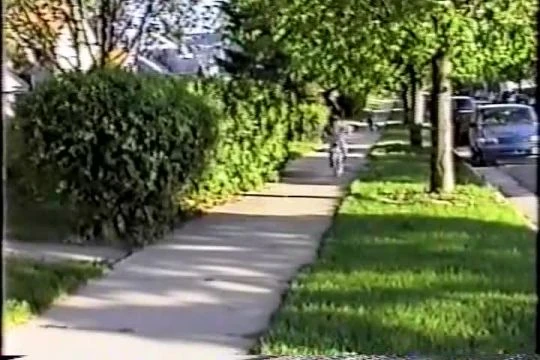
(164, 42)
(149, 65)
(184, 66)
(204, 39)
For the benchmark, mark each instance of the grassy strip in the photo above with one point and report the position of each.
(32, 286)
(403, 271)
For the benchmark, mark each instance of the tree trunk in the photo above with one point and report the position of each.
(415, 126)
(442, 161)
(405, 101)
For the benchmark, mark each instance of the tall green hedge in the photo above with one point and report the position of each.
(258, 122)
(129, 151)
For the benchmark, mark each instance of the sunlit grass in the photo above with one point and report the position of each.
(403, 271)
(32, 286)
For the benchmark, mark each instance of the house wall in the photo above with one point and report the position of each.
(11, 86)
(66, 49)
(8, 102)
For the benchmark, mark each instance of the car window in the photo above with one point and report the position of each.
(463, 104)
(506, 116)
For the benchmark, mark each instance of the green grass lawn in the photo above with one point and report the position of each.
(32, 286)
(405, 272)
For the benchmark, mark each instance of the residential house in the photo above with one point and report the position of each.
(52, 28)
(156, 55)
(72, 50)
(12, 87)
(196, 54)
(206, 47)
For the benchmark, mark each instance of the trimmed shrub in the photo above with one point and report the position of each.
(119, 144)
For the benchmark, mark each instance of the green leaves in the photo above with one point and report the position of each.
(128, 151)
(257, 122)
(112, 147)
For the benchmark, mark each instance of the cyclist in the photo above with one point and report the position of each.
(337, 139)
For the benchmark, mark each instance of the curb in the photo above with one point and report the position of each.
(501, 192)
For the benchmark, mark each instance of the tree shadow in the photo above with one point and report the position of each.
(353, 295)
(218, 281)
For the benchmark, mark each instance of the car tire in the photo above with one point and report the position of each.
(465, 140)
(477, 159)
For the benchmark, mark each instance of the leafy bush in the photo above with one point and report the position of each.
(258, 121)
(308, 121)
(119, 144)
(128, 152)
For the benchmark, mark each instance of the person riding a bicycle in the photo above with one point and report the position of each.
(334, 134)
(337, 141)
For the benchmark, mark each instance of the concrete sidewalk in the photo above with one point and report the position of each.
(208, 291)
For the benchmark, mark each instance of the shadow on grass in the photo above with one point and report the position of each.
(375, 289)
(401, 283)
(402, 271)
(392, 161)
(398, 148)
(32, 286)
(35, 221)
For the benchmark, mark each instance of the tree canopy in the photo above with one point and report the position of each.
(366, 45)
(108, 30)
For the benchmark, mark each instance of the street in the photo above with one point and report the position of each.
(524, 174)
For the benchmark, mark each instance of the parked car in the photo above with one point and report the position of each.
(503, 132)
(463, 110)
(479, 102)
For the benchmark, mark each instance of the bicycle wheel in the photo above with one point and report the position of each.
(338, 164)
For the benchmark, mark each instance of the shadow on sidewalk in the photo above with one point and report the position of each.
(219, 281)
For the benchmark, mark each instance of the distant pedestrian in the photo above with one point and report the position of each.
(371, 126)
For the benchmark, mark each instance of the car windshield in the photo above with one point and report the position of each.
(507, 116)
